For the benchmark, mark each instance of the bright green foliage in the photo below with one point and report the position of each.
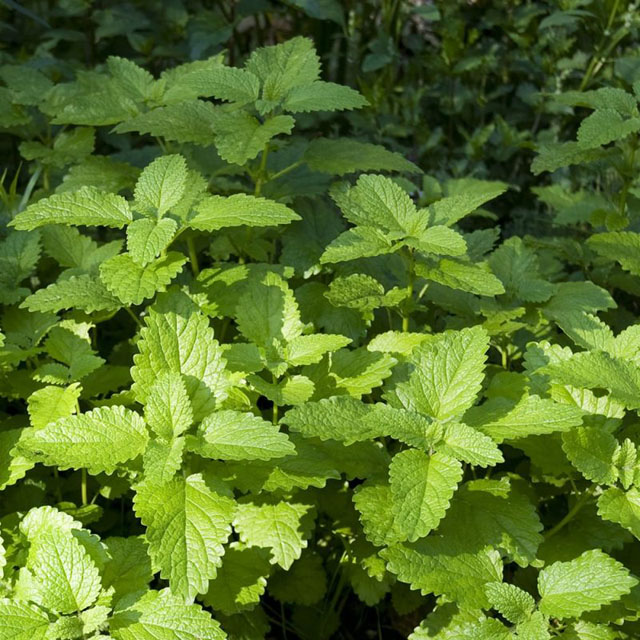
(421, 488)
(240, 581)
(216, 212)
(97, 440)
(278, 527)
(591, 451)
(159, 614)
(447, 374)
(568, 589)
(231, 435)
(621, 507)
(258, 379)
(132, 283)
(187, 525)
(161, 185)
(86, 206)
(513, 603)
(171, 343)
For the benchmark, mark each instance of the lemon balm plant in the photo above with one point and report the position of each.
(258, 381)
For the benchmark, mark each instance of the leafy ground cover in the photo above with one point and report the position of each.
(319, 337)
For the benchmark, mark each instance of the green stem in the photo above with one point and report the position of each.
(628, 180)
(286, 170)
(597, 56)
(274, 416)
(133, 315)
(283, 617)
(409, 300)
(571, 514)
(193, 257)
(261, 171)
(56, 475)
(83, 488)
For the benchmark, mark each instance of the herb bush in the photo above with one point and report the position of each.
(263, 378)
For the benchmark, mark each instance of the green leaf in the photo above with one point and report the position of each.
(267, 311)
(22, 621)
(503, 420)
(493, 512)
(290, 390)
(187, 121)
(339, 156)
(187, 526)
(341, 418)
(278, 527)
(147, 239)
(217, 212)
(439, 240)
(240, 137)
(447, 374)
(454, 207)
(472, 278)
(309, 349)
(356, 291)
(167, 409)
(284, 66)
(231, 84)
(232, 435)
(85, 293)
(553, 155)
(603, 98)
(137, 82)
(173, 343)
(129, 567)
(621, 507)
(512, 602)
(13, 464)
(48, 404)
(159, 615)
(359, 371)
(240, 582)
(19, 254)
(377, 201)
(596, 370)
(61, 575)
(97, 440)
(396, 342)
(469, 445)
(323, 96)
(604, 126)
(132, 283)
(434, 565)
(421, 487)
(619, 246)
(517, 267)
(162, 459)
(360, 242)
(592, 580)
(86, 206)
(591, 451)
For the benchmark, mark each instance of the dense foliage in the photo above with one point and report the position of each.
(319, 320)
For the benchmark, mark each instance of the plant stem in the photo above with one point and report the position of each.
(286, 170)
(193, 257)
(56, 475)
(598, 54)
(283, 617)
(571, 514)
(83, 487)
(133, 315)
(411, 268)
(261, 171)
(274, 416)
